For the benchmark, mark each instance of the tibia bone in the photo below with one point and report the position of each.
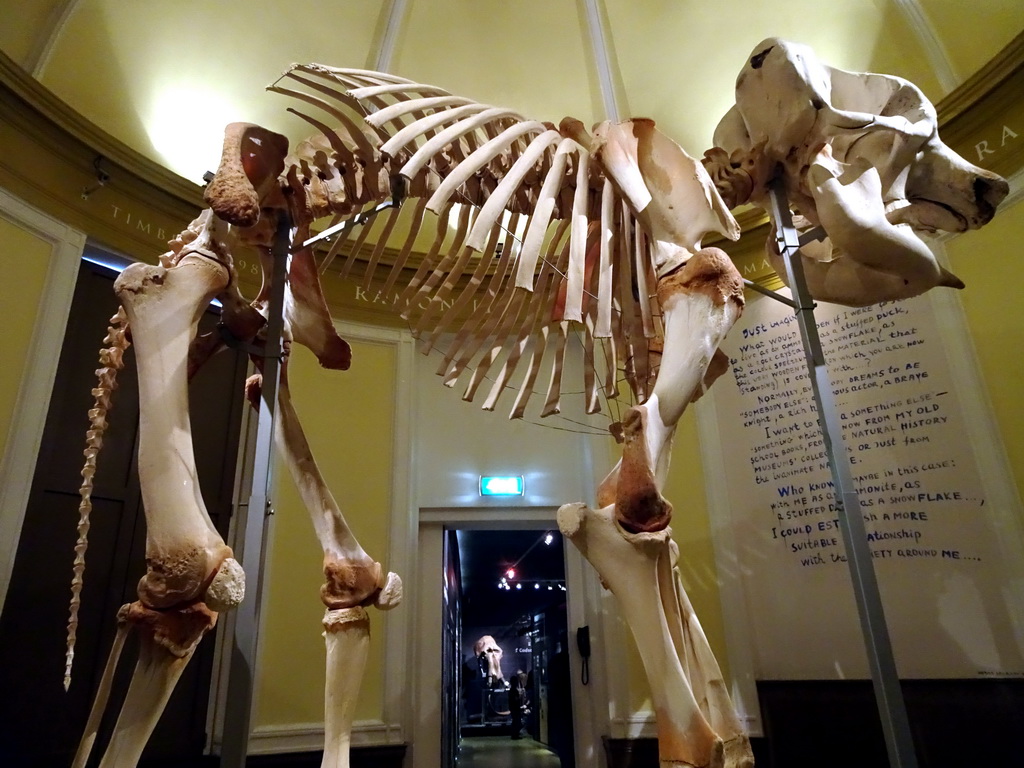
(167, 640)
(347, 635)
(706, 679)
(637, 569)
(99, 703)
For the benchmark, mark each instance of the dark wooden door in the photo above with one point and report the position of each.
(40, 724)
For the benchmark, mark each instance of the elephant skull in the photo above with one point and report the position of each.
(859, 155)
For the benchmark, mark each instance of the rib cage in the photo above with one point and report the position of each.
(543, 249)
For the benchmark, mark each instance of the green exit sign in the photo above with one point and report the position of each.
(501, 485)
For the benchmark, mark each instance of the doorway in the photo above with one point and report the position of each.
(505, 651)
(32, 623)
(434, 600)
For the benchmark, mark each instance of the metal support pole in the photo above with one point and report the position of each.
(252, 526)
(888, 694)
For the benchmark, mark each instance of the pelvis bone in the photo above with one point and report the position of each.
(859, 155)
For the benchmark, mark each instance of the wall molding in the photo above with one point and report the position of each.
(42, 48)
(640, 725)
(309, 737)
(929, 39)
(25, 435)
(48, 105)
(978, 86)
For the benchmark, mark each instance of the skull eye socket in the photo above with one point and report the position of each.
(757, 61)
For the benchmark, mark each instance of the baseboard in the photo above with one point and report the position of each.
(641, 725)
(309, 737)
(380, 756)
(643, 752)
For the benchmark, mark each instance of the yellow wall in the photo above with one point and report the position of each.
(987, 262)
(348, 419)
(25, 259)
(972, 33)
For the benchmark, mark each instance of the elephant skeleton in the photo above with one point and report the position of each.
(611, 224)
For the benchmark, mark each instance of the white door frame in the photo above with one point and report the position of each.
(590, 708)
(17, 465)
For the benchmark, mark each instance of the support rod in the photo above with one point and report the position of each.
(252, 525)
(768, 292)
(602, 59)
(888, 694)
(399, 188)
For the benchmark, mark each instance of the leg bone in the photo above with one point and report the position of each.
(99, 703)
(184, 552)
(354, 580)
(701, 302)
(167, 641)
(347, 634)
(639, 566)
(706, 680)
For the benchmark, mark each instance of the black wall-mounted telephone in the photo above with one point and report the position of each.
(583, 643)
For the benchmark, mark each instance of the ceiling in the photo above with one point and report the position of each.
(164, 78)
(486, 555)
(484, 559)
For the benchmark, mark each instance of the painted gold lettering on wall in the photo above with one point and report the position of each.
(136, 223)
(375, 297)
(991, 147)
(245, 267)
(369, 296)
(758, 268)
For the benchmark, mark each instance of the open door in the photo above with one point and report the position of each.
(40, 724)
(506, 649)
